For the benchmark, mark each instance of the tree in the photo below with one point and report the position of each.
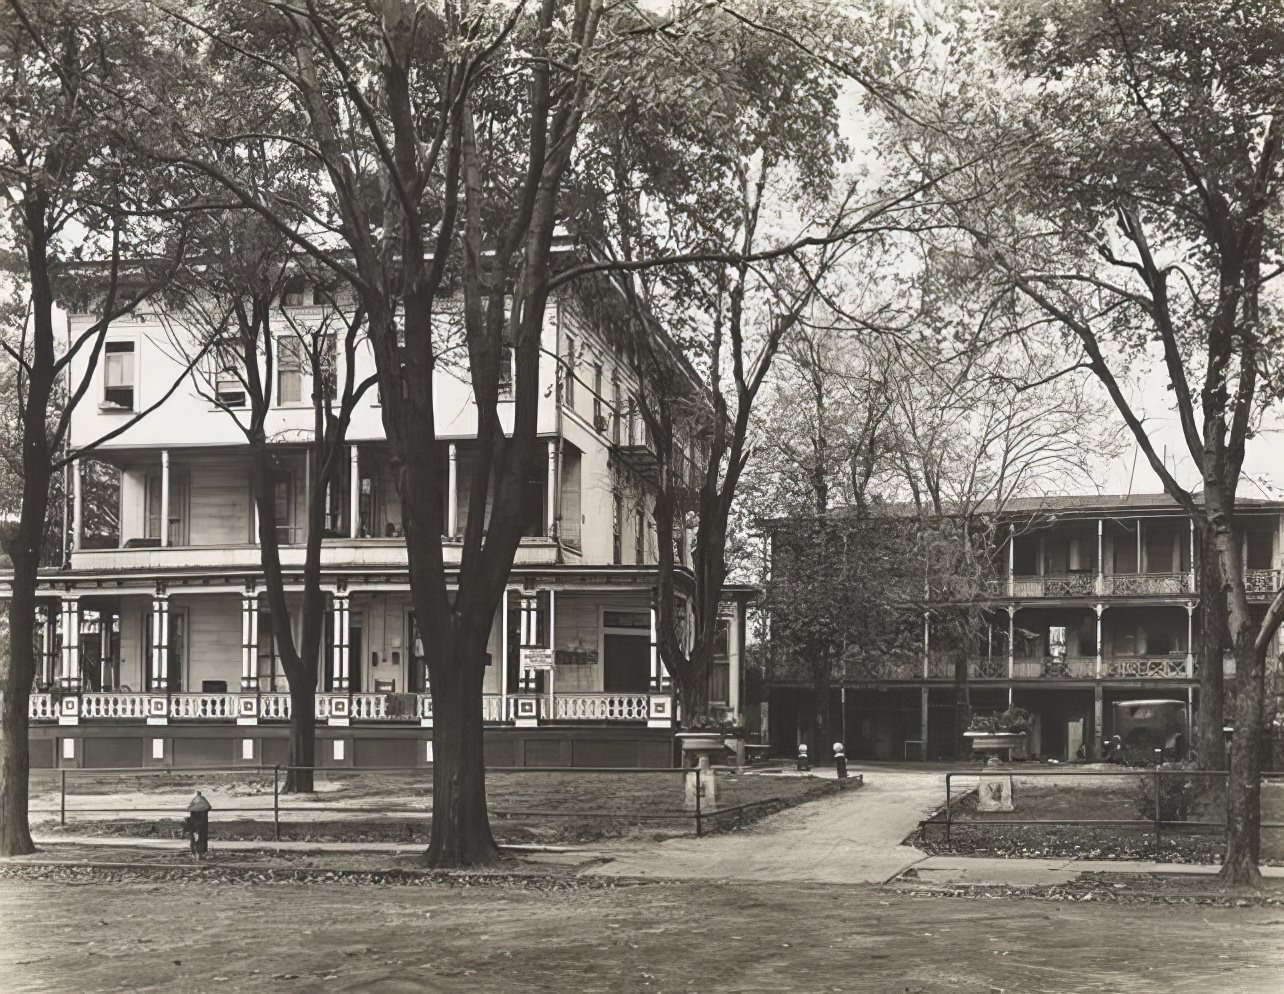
(68, 187)
(227, 306)
(715, 199)
(1157, 230)
(443, 133)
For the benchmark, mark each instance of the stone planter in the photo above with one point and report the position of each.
(995, 790)
(997, 745)
(700, 749)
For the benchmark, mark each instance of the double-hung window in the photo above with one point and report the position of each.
(118, 376)
(289, 373)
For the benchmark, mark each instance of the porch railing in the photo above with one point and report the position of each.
(365, 707)
(113, 706)
(600, 707)
(202, 706)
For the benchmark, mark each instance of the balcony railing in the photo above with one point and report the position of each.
(1058, 585)
(1055, 668)
(1144, 668)
(1142, 584)
(1263, 582)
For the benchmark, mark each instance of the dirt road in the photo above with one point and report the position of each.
(670, 937)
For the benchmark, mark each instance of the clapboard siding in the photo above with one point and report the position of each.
(219, 503)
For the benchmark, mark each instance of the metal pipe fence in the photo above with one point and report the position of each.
(105, 781)
(1153, 778)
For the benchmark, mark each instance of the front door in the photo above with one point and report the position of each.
(627, 663)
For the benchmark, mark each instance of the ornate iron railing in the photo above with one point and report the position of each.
(1134, 584)
(1144, 668)
(1262, 581)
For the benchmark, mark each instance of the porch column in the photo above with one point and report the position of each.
(1011, 639)
(1141, 549)
(552, 646)
(46, 645)
(160, 644)
(922, 712)
(78, 507)
(1101, 557)
(551, 499)
(452, 492)
(1190, 641)
(657, 681)
(1098, 726)
(926, 644)
(1191, 578)
(69, 678)
(1099, 609)
(249, 639)
(530, 637)
(164, 495)
(503, 657)
(340, 662)
(1011, 557)
(354, 492)
(660, 708)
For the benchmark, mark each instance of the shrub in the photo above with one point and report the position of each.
(1181, 794)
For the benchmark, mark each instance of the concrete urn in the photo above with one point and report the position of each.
(699, 749)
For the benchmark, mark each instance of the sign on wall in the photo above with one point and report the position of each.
(536, 658)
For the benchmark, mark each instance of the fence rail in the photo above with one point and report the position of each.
(282, 805)
(1156, 823)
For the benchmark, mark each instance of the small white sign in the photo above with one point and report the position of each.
(536, 658)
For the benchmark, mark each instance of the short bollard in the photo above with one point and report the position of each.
(840, 760)
(804, 763)
(197, 824)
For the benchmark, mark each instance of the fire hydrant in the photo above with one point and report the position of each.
(196, 826)
(840, 760)
(804, 763)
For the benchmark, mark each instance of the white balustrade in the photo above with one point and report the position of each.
(109, 705)
(202, 706)
(41, 708)
(425, 705)
(492, 708)
(370, 707)
(274, 707)
(600, 707)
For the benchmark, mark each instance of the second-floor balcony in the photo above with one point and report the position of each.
(195, 509)
(943, 667)
(1088, 585)
(335, 553)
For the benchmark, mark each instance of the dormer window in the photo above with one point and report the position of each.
(118, 376)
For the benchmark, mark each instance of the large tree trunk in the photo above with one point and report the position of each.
(1212, 641)
(1243, 793)
(461, 834)
(303, 738)
(15, 693)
